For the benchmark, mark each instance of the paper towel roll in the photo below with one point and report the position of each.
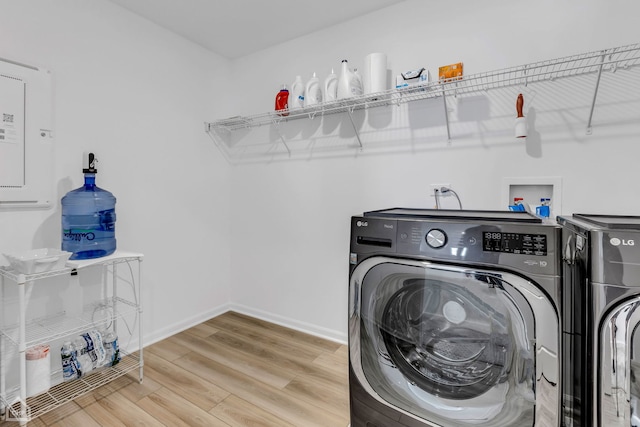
(375, 73)
(38, 369)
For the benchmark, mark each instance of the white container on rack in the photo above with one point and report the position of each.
(38, 260)
(296, 95)
(38, 369)
(375, 73)
(349, 85)
(313, 92)
(331, 87)
(359, 88)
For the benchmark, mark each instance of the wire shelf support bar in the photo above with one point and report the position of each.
(595, 95)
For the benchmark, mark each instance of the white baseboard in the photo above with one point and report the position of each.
(184, 324)
(287, 322)
(307, 328)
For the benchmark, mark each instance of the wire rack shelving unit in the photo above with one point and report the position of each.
(592, 63)
(18, 335)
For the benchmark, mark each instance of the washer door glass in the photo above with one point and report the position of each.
(446, 344)
(446, 339)
(619, 366)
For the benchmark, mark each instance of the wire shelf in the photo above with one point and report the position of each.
(115, 258)
(24, 278)
(64, 392)
(610, 60)
(571, 66)
(50, 328)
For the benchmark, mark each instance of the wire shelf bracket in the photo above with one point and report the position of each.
(355, 128)
(446, 115)
(276, 125)
(595, 95)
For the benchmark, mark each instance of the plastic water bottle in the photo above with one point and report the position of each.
(110, 341)
(83, 357)
(69, 368)
(89, 218)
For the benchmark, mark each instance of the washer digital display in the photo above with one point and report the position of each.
(514, 243)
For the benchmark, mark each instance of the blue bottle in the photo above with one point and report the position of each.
(89, 218)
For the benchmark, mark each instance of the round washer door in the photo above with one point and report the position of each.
(453, 346)
(618, 368)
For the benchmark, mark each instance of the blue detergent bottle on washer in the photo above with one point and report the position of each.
(89, 218)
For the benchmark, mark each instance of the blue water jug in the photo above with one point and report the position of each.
(89, 218)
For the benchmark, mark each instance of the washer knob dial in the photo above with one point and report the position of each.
(436, 238)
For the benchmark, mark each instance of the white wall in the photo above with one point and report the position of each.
(137, 96)
(290, 241)
(271, 238)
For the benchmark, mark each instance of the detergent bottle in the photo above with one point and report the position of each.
(331, 87)
(349, 83)
(282, 101)
(313, 92)
(296, 96)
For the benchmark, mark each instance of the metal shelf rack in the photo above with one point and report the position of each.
(49, 328)
(16, 338)
(64, 392)
(597, 62)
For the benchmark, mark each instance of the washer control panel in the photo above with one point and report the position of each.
(514, 243)
(436, 238)
(527, 247)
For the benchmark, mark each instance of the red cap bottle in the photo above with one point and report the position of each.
(282, 101)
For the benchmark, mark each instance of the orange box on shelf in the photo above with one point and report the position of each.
(450, 72)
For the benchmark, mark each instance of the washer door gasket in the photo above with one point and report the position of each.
(453, 357)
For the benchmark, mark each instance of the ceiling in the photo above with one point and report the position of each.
(234, 28)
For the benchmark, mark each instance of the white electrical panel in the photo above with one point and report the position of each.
(26, 140)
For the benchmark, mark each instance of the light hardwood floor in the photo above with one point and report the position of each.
(232, 370)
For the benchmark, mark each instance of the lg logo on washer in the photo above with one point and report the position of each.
(617, 242)
(362, 224)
